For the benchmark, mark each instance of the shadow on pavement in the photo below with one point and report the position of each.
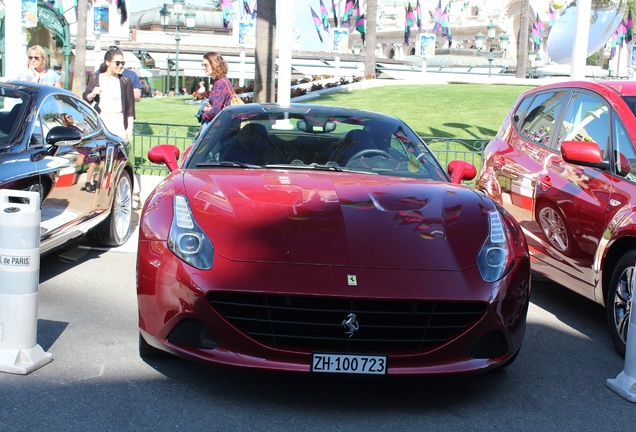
(64, 260)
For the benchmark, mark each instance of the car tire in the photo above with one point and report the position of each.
(41, 188)
(114, 231)
(617, 304)
(552, 223)
(147, 350)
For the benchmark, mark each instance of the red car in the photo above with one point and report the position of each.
(564, 164)
(327, 240)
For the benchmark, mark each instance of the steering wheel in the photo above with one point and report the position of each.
(365, 152)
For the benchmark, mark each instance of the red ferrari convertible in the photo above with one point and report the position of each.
(327, 240)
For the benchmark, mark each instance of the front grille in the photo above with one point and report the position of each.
(316, 323)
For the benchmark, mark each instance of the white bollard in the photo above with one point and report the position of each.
(19, 279)
(625, 382)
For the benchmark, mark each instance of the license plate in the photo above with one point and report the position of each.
(348, 363)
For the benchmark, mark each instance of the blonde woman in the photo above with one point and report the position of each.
(37, 70)
(113, 94)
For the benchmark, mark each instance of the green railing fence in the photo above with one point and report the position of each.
(147, 135)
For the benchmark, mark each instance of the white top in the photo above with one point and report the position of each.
(110, 98)
(111, 111)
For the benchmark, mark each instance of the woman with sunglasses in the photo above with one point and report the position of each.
(37, 69)
(113, 95)
(222, 90)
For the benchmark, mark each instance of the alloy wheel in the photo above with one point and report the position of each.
(554, 228)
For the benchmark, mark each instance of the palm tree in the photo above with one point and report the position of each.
(524, 35)
(79, 75)
(369, 51)
(265, 52)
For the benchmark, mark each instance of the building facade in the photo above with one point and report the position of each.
(149, 47)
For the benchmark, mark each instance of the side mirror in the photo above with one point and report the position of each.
(461, 170)
(166, 154)
(63, 133)
(585, 153)
(624, 165)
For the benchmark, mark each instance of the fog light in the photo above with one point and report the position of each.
(192, 333)
(490, 346)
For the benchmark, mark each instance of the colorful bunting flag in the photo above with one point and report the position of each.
(446, 30)
(246, 6)
(409, 21)
(335, 13)
(360, 21)
(614, 45)
(324, 15)
(619, 38)
(361, 27)
(540, 25)
(536, 37)
(347, 13)
(622, 32)
(226, 8)
(317, 22)
(629, 28)
(418, 12)
(436, 17)
(551, 18)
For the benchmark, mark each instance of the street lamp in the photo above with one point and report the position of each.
(504, 39)
(357, 49)
(532, 57)
(479, 43)
(190, 22)
(538, 62)
(491, 30)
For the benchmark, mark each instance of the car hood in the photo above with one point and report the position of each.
(337, 219)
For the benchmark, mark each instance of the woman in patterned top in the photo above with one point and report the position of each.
(222, 89)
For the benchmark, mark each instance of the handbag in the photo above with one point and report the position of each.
(236, 100)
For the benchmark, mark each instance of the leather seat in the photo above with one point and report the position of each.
(253, 146)
(9, 121)
(353, 142)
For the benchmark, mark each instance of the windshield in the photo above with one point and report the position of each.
(315, 139)
(631, 102)
(13, 109)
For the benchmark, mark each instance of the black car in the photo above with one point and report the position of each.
(54, 143)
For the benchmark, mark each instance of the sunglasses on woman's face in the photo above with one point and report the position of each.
(120, 63)
(34, 58)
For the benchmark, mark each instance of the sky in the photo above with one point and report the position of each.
(303, 23)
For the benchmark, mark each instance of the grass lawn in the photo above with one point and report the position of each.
(468, 111)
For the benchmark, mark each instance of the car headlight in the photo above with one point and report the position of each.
(494, 257)
(186, 240)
